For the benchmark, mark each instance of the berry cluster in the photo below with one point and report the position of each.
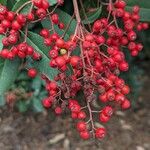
(93, 73)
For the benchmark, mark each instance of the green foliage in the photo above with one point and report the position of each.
(42, 66)
(144, 8)
(93, 16)
(4, 2)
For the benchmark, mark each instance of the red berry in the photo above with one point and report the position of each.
(108, 111)
(60, 43)
(124, 66)
(103, 118)
(16, 25)
(85, 135)
(125, 104)
(81, 126)
(81, 115)
(45, 33)
(41, 13)
(32, 73)
(46, 103)
(100, 133)
(55, 18)
(60, 61)
(58, 110)
(74, 61)
(103, 98)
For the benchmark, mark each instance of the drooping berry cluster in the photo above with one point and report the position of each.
(93, 72)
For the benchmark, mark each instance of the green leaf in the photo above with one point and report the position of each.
(52, 2)
(37, 105)
(93, 16)
(2, 100)
(22, 106)
(1, 45)
(144, 8)
(3, 2)
(36, 41)
(144, 13)
(65, 19)
(9, 72)
(141, 3)
(18, 4)
(1, 60)
(11, 3)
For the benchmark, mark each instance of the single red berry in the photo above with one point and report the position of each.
(60, 43)
(45, 33)
(85, 135)
(126, 104)
(124, 66)
(45, 4)
(16, 25)
(74, 115)
(81, 126)
(108, 111)
(30, 50)
(41, 13)
(58, 110)
(32, 73)
(61, 25)
(100, 133)
(60, 61)
(125, 90)
(103, 118)
(30, 16)
(55, 18)
(46, 103)
(103, 98)
(81, 115)
(74, 61)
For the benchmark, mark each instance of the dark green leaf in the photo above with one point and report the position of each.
(93, 16)
(144, 13)
(36, 41)
(141, 3)
(2, 100)
(37, 105)
(65, 19)
(22, 106)
(8, 74)
(11, 4)
(52, 2)
(18, 4)
(3, 2)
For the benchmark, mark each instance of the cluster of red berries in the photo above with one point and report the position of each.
(94, 73)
